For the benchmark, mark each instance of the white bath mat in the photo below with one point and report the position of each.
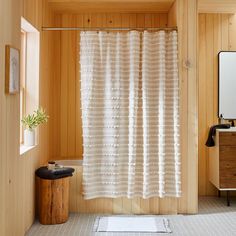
(150, 224)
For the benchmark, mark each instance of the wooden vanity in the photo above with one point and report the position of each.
(222, 161)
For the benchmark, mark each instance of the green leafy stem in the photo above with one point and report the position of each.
(38, 117)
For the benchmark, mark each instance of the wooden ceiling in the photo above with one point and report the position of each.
(121, 6)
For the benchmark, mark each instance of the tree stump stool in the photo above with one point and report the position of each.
(52, 200)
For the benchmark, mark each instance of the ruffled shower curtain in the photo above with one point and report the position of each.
(130, 114)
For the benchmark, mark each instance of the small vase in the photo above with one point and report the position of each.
(29, 137)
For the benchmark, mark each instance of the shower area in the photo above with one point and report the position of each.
(121, 113)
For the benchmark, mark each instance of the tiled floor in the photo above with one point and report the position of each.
(214, 219)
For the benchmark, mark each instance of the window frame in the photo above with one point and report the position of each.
(29, 83)
(23, 64)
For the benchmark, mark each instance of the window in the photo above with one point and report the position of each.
(22, 81)
(29, 84)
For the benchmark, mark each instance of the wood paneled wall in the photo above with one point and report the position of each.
(122, 205)
(70, 114)
(59, 86)
(17, 200)
(68, 129)
(187, 36)
(216, 32)
(68, 138)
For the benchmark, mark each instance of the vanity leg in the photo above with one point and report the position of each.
(219, 193)
(228, 198)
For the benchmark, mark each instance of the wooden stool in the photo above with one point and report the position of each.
(52, 200)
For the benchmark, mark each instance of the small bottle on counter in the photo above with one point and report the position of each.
(51, 165)
(222, 121)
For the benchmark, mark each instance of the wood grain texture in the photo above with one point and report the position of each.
(214, 163)
(227, 138)
(217, 6)
(17, 195)
(172, 15)
(216, 33)
(31, 10)
(227, 159)
(184, 12)
(68, 80)
(53, 200)
(112, 1)
(116, 205)
(222, 161)
(187, 31)
(17, 173)
(131, 6)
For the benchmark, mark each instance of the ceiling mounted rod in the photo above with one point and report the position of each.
(106, 29)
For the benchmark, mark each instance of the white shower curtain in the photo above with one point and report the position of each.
(160, 86)
(130, 114)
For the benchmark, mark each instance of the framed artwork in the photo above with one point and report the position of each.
(12, 70)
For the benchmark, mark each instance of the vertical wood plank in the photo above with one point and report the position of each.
(172, 15)
(225, 32)
(202, 106)
(187, 31)
(78, 119)
(140, 20)
(135, 205)
(132, 20)
(192, 157)
(71, 77)
(232, 32)
(117, 206)
(87, 20)
(125, 20)
(182, 39)
(148, 20)
(144, 206)
(163, 20)
(98, 20)
(127, 205)
(155, 205)
(114, 20)
(64, 89)
(210, 78)
(168, 206)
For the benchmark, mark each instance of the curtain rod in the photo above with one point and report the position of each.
(104, 29)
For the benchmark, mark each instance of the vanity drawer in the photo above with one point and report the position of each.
(227, 166)
(228, 153)
(228, 182)
(227, 138)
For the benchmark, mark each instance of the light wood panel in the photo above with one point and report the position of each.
(31, 10)
(216, 32)
(71, 128)
(17, 193)
(116, 205)
(183, 12)
(172, 15)
(69, 97)
(111, 6)
(187, 28)
(112, 1)
(217, 6)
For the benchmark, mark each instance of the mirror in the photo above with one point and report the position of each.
(227, 85)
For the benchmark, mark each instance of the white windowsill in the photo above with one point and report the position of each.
(24, 149)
